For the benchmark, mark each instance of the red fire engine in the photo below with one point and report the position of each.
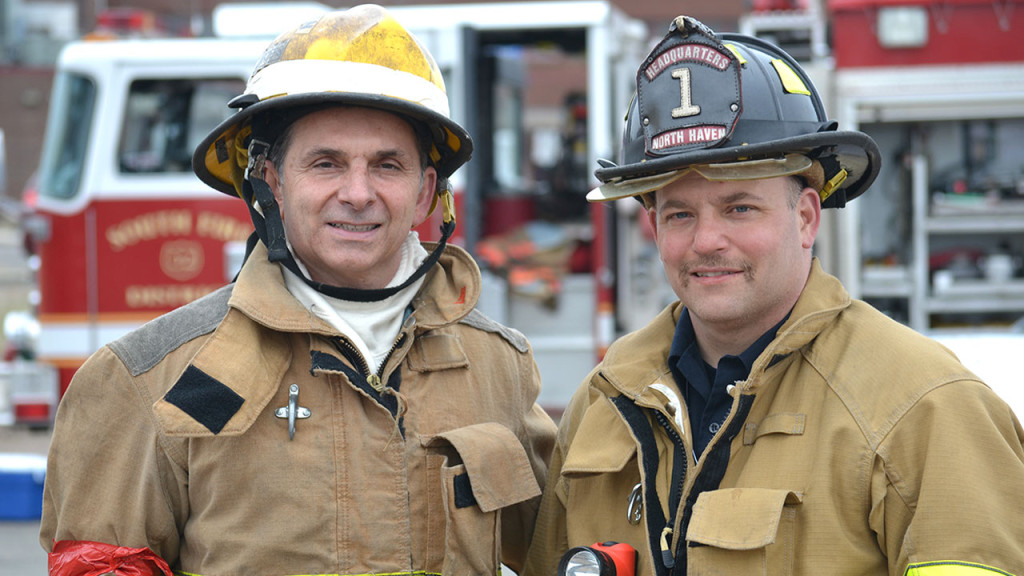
(123, 229)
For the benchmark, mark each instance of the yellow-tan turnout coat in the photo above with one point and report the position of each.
(856, 446)
(176, 438)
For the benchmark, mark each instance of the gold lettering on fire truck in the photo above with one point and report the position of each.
(163, 224)
(222, 227)
(149, 226)
(181, 260)
(165, 296)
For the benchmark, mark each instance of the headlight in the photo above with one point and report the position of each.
(600, 559)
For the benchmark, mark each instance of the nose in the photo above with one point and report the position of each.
(355, 188)
(709, 235)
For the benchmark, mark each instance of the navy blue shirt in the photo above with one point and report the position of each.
(704, 386)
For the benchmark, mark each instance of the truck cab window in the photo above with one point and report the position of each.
(166, 118)
(67, 138)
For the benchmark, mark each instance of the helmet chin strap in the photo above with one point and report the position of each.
(270, 229)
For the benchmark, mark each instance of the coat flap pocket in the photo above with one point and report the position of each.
(780, 423)
(739, 518)
(602, 443)
(436, 351)
(499, 470)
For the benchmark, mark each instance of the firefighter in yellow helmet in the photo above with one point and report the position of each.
(342, 407)
(767, 423)
(364, 59)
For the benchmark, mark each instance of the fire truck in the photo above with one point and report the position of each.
(938, 241)
(122, 230)
(125, 232)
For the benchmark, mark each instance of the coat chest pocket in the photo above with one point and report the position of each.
(486, 469)
(743, 532)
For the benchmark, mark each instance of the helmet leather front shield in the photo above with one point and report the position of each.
(696, 72)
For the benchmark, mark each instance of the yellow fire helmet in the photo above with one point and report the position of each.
(361, 56)
(357, 57)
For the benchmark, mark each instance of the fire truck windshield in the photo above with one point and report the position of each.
(67, 138)
(163, 121)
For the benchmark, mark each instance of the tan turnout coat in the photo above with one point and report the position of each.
(170, 439)
(867, 449)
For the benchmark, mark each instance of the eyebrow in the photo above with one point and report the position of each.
(740, 196)
(672, 203)
(334, 152)
(732, 198)
(392, 153)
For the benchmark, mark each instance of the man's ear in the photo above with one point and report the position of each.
(273, 179)
(425, 196)
(652, 215)
(809, 211)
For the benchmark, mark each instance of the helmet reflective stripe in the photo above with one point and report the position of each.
(952, 568)
(791, 83)
(295, 77)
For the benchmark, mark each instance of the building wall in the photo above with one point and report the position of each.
(24, 98)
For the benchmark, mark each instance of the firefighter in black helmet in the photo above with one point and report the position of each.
(767, 423)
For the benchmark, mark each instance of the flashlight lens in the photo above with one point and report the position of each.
(583, 563)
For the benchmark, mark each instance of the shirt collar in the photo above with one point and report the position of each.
(684, 354)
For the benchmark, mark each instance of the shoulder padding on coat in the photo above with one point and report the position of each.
(146, 346)
(481, 321)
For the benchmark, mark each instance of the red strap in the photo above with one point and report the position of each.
(84, 558)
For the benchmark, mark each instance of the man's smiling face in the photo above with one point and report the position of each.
(350, 188)
(737, 253)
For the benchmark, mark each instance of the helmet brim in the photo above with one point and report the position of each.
(854, 151)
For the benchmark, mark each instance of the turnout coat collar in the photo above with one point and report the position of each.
(241, 364)
(633, 363)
